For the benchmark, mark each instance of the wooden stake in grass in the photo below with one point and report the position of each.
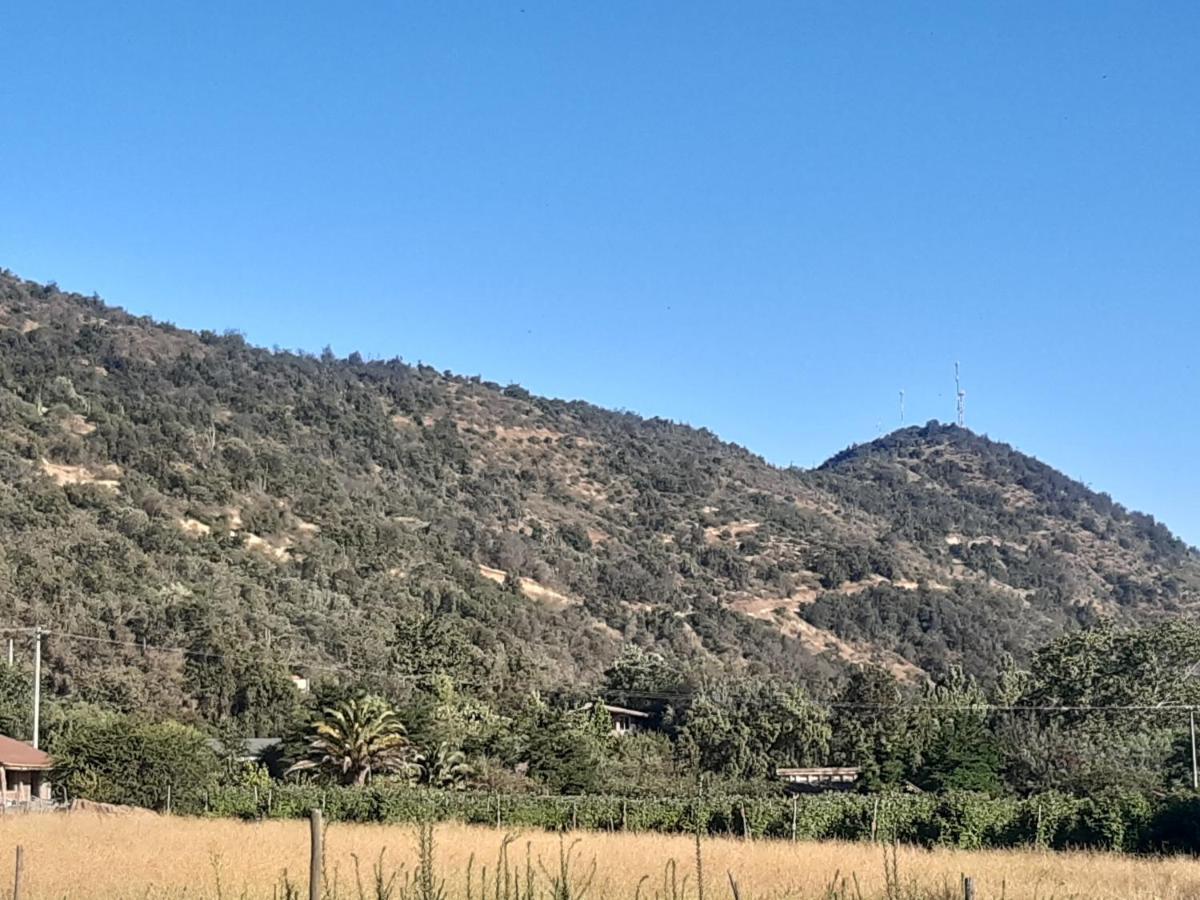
(17, 872)
(316, 855)
(968, 888)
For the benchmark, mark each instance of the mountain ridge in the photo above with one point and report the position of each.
(186, 488)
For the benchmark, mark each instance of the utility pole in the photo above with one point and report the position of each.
(961, 395)
(37, 682)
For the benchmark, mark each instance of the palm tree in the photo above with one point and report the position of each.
(447, 768)
(360, 738)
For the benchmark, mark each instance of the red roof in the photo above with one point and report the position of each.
(16, 754)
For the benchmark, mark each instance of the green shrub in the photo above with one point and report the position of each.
(116, 759)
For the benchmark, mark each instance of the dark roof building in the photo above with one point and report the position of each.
(248, 749)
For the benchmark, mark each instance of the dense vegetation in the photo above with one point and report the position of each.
(458, 568)
(274, 513)
(1100, 714)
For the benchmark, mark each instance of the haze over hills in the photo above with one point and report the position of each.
(171, 488)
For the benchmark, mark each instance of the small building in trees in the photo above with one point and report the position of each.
(247, 750)
(818, 778)
(24, 772)
(625, 721)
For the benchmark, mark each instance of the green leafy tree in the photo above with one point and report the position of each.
(870, 727)
(1119, 676)
(116, 759)
(638, 670)
(357, 739)
(445, 715)
(746, 728)
(16, 702)
(565, 750)
(431, 645)
(956, 747)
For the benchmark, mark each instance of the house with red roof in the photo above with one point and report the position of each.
(24, 772)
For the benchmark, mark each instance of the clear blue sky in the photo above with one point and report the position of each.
(763, 218)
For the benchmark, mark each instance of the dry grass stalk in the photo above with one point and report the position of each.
(88, 857)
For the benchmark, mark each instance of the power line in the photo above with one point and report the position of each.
(947, 707)
(646, 695)
(205, 654)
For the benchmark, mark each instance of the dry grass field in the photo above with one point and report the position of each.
(89, 856)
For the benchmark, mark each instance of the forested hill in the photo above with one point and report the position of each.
(283, 512)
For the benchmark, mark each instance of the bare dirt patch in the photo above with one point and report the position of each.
(780, 612)
(714, 534)
(194, 527)
(108, 476)
(532, 589)
(496, 575)
(275, 548)
(77, 425)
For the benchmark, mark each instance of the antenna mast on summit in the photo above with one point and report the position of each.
(901, 407)
(962, 398)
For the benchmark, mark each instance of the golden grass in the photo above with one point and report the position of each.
(86, 856)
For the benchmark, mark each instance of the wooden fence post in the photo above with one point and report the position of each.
(875, 820)
(745, 822)
(316, 855)
(794, 803)
(17, 872)
(624, 814)
(574, 815)
(168, 799)
(968, 888)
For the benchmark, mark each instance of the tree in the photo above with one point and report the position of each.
(446, 716)
(641, 671)
(1117, 675)
(447, 768)
(431, 645)
(956, 747)
(565, 750)
(116, 759)
(746, 728)
(870, 727)
(16, 702)
(357, 739)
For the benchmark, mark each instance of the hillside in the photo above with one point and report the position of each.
(169, 488)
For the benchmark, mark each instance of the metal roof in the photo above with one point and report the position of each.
(248, 748)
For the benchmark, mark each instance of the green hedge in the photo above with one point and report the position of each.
(1124, 822)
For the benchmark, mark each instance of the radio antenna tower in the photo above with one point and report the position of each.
(902, 407)
(962, 398)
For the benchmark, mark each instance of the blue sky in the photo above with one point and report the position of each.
(764, 218)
